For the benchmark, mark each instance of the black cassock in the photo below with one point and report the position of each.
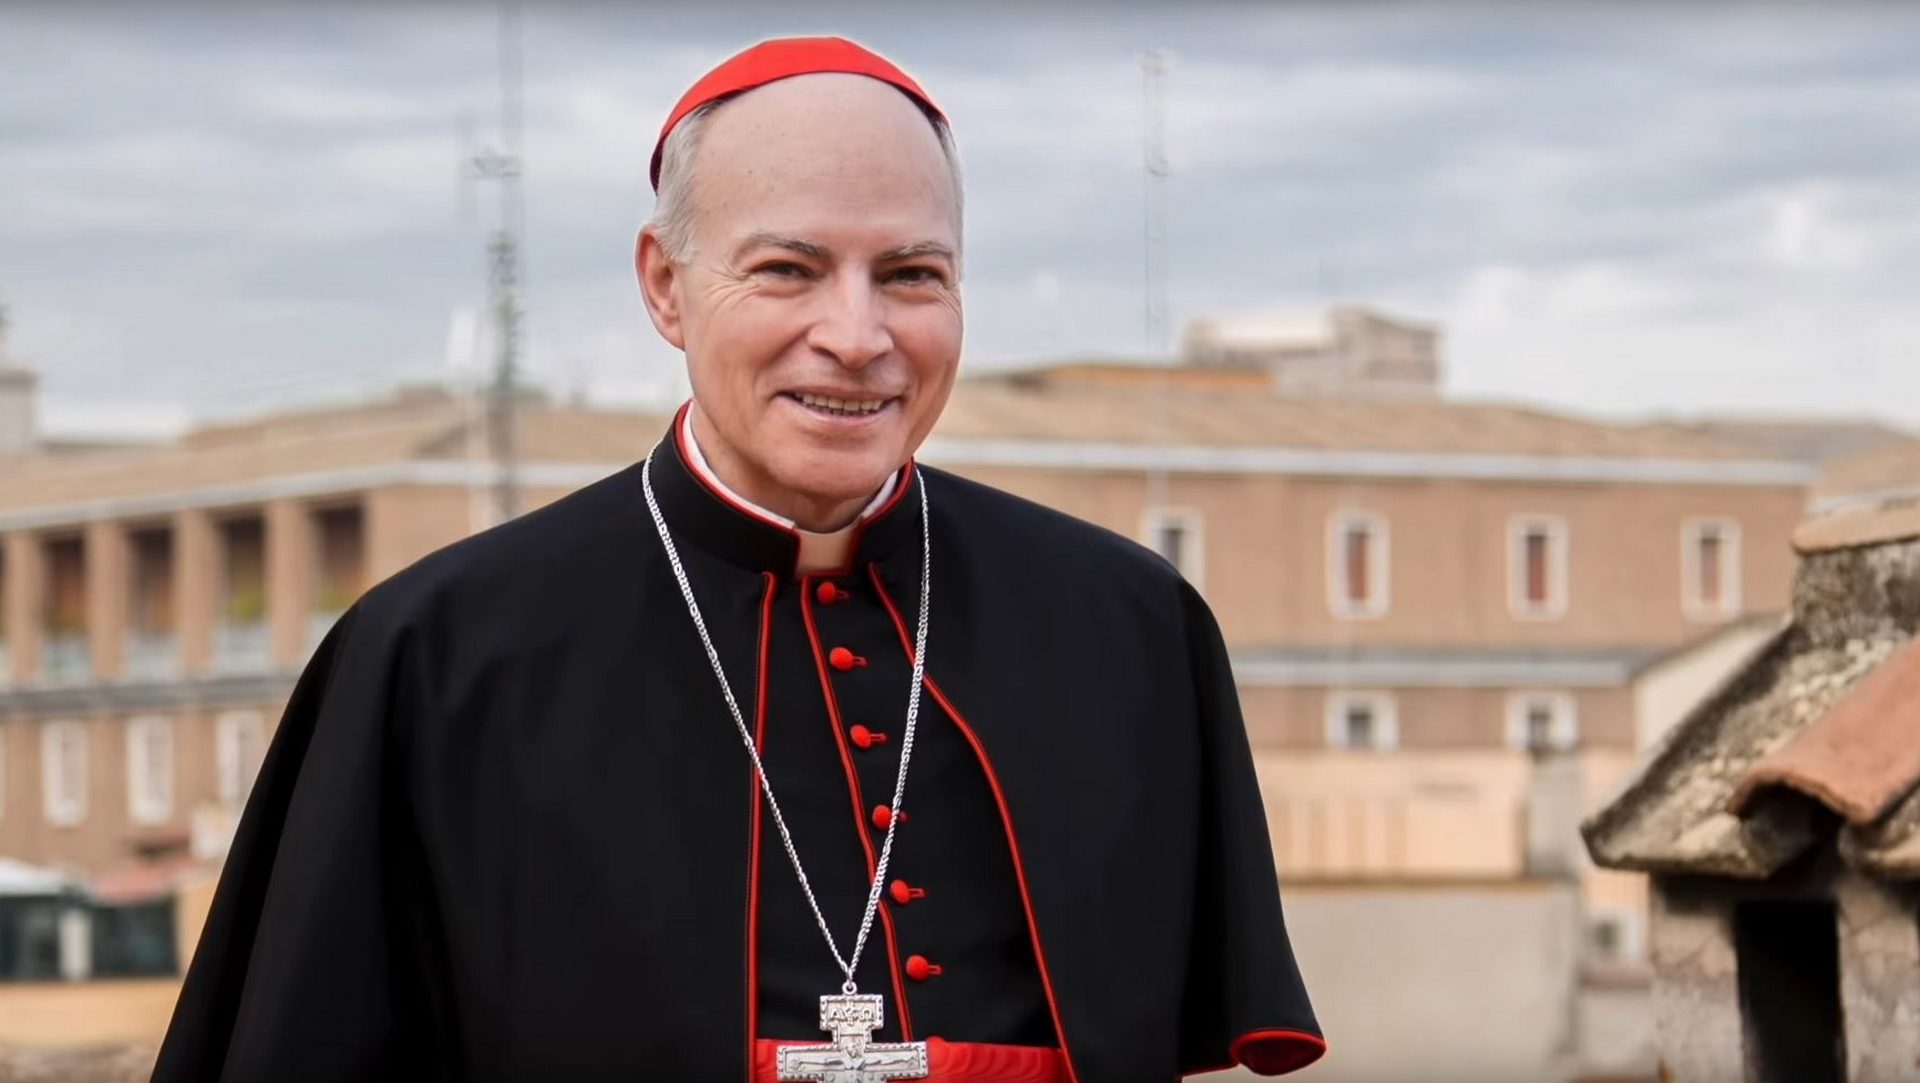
(507, 829)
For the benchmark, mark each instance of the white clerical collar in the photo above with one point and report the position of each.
(705, 472)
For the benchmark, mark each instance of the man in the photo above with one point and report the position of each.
(776, 755)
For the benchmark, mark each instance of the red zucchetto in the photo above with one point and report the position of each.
(784, 58)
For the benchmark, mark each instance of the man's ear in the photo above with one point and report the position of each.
(659, 279)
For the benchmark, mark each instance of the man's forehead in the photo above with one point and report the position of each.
(825, 155)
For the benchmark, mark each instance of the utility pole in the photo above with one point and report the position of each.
(502, 165)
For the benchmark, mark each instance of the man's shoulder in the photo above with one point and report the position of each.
(542, 553)
(1015, 528)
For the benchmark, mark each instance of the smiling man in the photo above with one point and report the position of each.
(776, 756)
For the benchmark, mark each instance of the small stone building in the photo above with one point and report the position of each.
(1780, 822)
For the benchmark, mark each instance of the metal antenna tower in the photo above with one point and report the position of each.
(1153, 72)
(502, 165)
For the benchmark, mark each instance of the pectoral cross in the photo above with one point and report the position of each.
(853, 1056)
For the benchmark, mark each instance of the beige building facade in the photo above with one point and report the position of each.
(1435, 608)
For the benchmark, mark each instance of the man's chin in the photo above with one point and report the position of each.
(825, 480)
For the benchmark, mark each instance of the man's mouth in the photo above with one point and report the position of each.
(837, 407)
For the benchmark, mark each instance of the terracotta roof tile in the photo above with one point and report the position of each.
(1859, 757)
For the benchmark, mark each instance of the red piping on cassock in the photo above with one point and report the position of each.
(753, 853)
(1006, 819)
(859, 803)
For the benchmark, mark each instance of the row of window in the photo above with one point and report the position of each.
(1536, 721)
(1359, 579)
(151, 759)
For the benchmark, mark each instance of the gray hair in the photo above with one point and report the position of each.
(673, 205)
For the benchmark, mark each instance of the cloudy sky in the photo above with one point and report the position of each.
(1633, 209)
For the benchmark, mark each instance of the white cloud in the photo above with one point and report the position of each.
(1820, 227)
(1607, 208)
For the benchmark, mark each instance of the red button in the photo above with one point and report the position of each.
(920, 970)
(843, 659)
(866, 738)
(904, 893)
(883, 817)
(830, 593)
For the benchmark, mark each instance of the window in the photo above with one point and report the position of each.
(151, 649)
(150, 581)
(238, 745)
(63, 771)
(340, 537)
(150, 769)
(1615, 937)
(1537, 567)
(135, 940)
(1362, 720)
(1175, 533)
(242, 642)
(1710, 568)
(1542, 721)
(65, 655)
(1357, 574)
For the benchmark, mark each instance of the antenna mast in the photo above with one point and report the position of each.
(502, 165)
(1153, 72)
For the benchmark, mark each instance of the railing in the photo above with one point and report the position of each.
(1399, 815)
(66, 658)
(242, 648)
(152, 656)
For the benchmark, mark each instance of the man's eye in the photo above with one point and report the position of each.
(782, 269)
(916, 276)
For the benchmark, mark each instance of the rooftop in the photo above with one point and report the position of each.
(1889, 471)
(1054, 409)
(1817, 738)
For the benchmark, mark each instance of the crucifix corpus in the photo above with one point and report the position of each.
(852, 1056)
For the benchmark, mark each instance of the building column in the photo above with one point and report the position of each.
(291, 563)
(25, 585)
(106, 575)
(1696, 997)
(196, 586)
(1879, 1000)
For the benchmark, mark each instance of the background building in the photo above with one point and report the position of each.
(1438, 612)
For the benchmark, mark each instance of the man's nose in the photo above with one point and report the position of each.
(852, 327)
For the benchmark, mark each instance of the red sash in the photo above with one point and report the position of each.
(954, 1062)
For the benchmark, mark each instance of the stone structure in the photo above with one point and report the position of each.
(1347, 350)
(1781, 823)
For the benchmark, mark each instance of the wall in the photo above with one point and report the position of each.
(1666, 691)
(1465, 983)
(86, 1013)
(101, 842)
(1431, 719)
(1448, 552)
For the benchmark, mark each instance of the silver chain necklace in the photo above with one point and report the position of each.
(852, 1057)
